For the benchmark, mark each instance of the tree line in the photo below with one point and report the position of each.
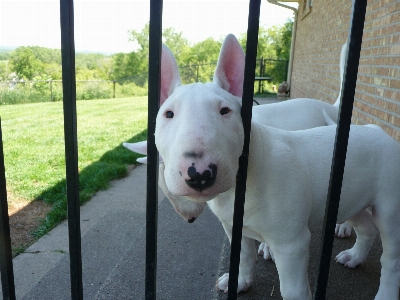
(33, 63)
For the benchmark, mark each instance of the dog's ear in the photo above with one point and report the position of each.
(342, 63)
(170, 78)
(230, 67)
(139, 147)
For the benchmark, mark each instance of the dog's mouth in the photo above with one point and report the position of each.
(200, 197)
(196, 184)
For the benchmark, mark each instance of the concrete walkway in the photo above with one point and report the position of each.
(190, 256)
(113, 250)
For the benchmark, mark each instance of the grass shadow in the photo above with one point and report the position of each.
(93, 178)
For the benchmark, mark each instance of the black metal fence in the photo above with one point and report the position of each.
(71, 153)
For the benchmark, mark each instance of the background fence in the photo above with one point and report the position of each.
(14, 92)
(265, 67)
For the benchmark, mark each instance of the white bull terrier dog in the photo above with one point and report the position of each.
(299, 113)
(199, 135)
(294, 114)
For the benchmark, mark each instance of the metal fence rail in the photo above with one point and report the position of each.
(341, 140)
(6, 266)
(71, 153)
(71, 146)
(155, 29)
(246, 113)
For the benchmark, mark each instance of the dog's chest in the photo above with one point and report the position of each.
(222, 206)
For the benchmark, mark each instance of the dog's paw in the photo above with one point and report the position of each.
(243, 284)
(222, 283)
(266, 252)
(349, 258)
(343, 230)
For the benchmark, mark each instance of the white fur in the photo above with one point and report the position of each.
(343, 230)
(294, 114)
(287, 183)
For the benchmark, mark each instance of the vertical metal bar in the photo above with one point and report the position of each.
(247, 104)
(6, 265)
(51, 89)
(340, 149)
(261, 75)
(286, 70)
(155, 33)
(71, 145)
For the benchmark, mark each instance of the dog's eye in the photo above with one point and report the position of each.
(224, 111)
(169, 114)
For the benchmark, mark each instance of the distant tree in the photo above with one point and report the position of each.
(93, 66)
(193, 60)
(52, 71)
(136, 62)
(198, 63)
(106, 69)
(274, 43)
(206, 51)
(46, 55)
(4, 55)
(142, 53)
(279, 38)
(4, 71)
(283, 40)
(179, 45)
(24, 63)
(88, 61)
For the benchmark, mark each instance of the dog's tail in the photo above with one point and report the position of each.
(328, 119)
(341, 67)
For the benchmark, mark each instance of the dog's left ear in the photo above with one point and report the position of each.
(170, 78)
(229, 74)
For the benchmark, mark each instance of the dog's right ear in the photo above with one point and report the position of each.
(229, 73)
(170, 78)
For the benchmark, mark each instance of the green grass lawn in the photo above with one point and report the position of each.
(33, 137)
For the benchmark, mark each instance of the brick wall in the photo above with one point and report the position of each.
(320, 36)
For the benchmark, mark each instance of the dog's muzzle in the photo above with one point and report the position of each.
(200, 182)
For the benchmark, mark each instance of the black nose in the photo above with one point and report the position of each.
(200, 182)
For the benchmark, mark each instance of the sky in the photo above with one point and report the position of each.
(103, 25)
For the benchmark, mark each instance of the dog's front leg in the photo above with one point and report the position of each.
(291, 260)
(248, 259)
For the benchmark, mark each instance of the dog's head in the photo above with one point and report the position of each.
(199, 131)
